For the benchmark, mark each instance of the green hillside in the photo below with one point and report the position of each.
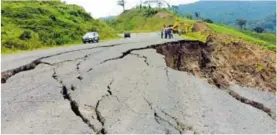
(28, 25)
(256, 13)
(142, 20)
(146, 20)
(268, 40)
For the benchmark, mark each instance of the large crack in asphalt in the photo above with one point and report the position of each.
(90, 48)
(202, 52)
(180, 127)
(109, 88)
(5, 75)
(252, 103)
(9, 73)
(124, 54)
(75, 107)
(185, 56)
(141, 56)
(158, 118)
(99, 116)
(73, 104)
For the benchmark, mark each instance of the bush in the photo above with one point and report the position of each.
(15, 44)
(53, 17)
(150, 12)
(26, 35)
(62, 40)
(259, 29)
(208, 20)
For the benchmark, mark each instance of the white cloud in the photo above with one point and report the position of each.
(102, 8)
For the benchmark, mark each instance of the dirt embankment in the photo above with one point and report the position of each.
(200, 27)
(164, 15)
(224, 60)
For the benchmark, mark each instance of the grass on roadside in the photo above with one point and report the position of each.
(266, 40)
(29, 25)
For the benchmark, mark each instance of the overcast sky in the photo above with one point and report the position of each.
(102, 8)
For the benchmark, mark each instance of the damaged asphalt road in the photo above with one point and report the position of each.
(123, 87)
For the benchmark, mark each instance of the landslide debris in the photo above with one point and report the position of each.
(223, 60)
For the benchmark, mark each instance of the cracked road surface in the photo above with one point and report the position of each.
(120, 86)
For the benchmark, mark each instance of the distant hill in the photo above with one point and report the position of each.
(149, 20)
(142, 20)
(106, 18)
(257, 13)
(28, 25)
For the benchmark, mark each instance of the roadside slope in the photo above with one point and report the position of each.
(149, 20)
(143, 20)
(28, 25)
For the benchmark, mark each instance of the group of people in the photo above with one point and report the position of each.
(167, 32)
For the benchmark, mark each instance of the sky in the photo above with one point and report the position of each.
(102, 8)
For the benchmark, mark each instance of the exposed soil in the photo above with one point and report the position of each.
(164, 15)
(199, 27)
(224, 60)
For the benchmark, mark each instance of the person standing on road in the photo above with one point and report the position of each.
(163, 32)
(170, 32)
(166, 31)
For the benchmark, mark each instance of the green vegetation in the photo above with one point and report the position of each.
(264, 39)
(256, 13)
(142, 20)
(28, 25)
(150, 19)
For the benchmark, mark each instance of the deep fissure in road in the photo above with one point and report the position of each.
(75, 107)
(99, 116)
(197, 58)
(179, 126)
(143, 57)
(5, 75)
(221, 68)
(73, 104)
(255, 104)
(201, 59)
(9, 73)
(190, 56)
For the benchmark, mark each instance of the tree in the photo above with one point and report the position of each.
(160, 4)
(140, 4)
(197, 15)
(208, 20)
(259, 29)
(174, 8)
(121, 3)
(189, 16)
(240, 22)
